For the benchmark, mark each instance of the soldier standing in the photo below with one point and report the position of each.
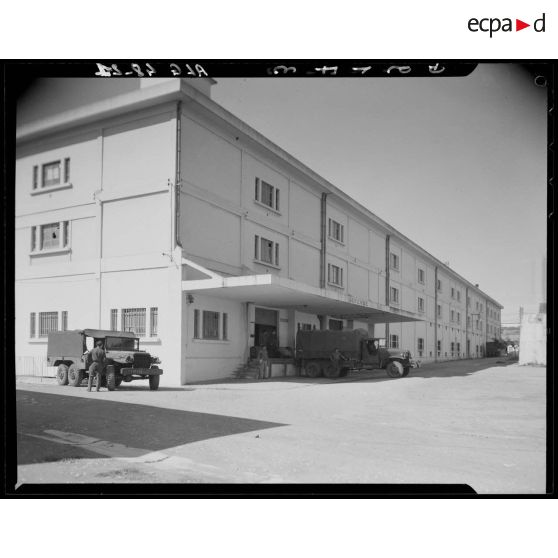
(97, 366)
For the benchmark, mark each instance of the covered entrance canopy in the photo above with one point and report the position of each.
(279, 292)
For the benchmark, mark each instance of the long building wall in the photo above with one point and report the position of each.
(116, 207)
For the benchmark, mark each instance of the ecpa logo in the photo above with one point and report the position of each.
(494, 24)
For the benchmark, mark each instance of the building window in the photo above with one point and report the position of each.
(394, 261)
(64, 320)
(452, 316)
(420, 346)
(54, 236)
(439, 285)
(421, 276)
(266, 251)
(439, 310)
(267, 194)
(153, 322)
(336, 231)
(32, 324)
(114, 319)
(304, 327)
(394, 341)
(458, 348)
(52, 174)
(211, 325)
(439, 348)
(458, 293)
(336, 325)
(452, 348)
(133, 320)
(452, 292)
(420, 304)
(459, 317)
(394, 295)
(334, 275)
(48, 321)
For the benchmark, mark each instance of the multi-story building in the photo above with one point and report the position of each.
(143, 205)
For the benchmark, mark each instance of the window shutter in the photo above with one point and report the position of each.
(277, 199)
(66, 171)
(35, 177)
(257, 192)
(196, 324)
(33, 239)
(277, 253)
(256, 248)
(32, 324)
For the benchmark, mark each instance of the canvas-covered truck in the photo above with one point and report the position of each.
(333, 353)
(70, 352)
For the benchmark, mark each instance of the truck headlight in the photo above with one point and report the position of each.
(155, 360)
(129, 359)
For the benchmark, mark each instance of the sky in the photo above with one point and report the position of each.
(458, 165)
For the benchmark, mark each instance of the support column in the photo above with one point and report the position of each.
(323, 322)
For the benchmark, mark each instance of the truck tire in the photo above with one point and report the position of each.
(395, 369)
(331, 371)
(154, 382)
(75, 375)
(313, 369)
(406, 371)
(111, 379)
(62, 375)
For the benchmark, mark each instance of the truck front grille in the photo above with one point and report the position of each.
(142, 360)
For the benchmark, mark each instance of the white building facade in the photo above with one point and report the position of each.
(143, 205)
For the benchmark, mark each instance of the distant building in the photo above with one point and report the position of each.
(143, 205)
(532, 340)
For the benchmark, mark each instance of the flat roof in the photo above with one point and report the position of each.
(279, 292)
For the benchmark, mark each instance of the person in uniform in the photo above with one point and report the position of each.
(98, 357)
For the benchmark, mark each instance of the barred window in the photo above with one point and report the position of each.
(225, 326)
(153, 322)
(439, 347)
(48, 322)
(393, 341)
(210, 325)
(439, 311)
(133, 320)
(394, 295)
(420, 304)
(114, 319)
(304, 327)
(32, 324)
(420, 346)
(64, 320)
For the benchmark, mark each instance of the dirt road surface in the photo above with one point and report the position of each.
(481, 422)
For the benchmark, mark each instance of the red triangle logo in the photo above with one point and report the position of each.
(519, 25)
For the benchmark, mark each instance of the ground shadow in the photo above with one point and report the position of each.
(124, 425)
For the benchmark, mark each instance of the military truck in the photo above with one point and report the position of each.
(70, 351)
(333, 353)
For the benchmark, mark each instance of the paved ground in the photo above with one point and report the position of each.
(476, 422)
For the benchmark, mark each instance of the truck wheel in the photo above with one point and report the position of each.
(313, 370)
(111, 380)
(62, 375)
(75, 375)
(395, 369)
(153, 382)
(331, 371)
(406, 371)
